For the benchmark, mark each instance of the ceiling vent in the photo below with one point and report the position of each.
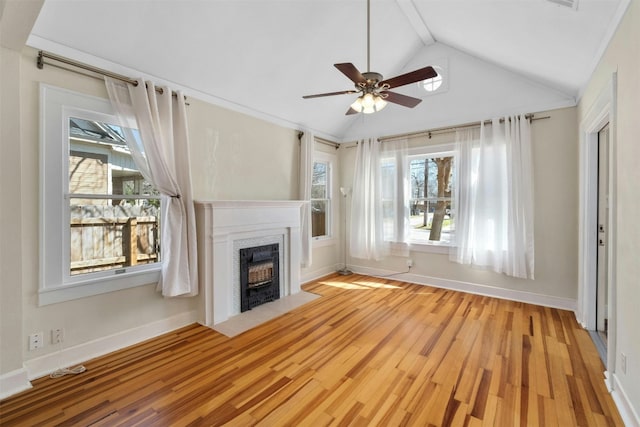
(573, 4)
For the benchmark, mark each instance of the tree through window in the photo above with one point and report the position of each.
(431, 212)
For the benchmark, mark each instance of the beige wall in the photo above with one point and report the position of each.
(623, 56)
(233, 156)
(85, 319)
(10, 214)
(237, 157)
(555, 159)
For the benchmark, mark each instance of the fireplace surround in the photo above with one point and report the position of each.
(225, 228)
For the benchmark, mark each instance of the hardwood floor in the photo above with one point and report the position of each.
(369, 352)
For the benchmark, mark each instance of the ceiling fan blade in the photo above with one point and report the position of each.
(412, 77)
(350, 111)
(404, 100)
(319, 95)
(350, 70)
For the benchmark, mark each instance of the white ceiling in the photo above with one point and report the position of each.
(261, 56)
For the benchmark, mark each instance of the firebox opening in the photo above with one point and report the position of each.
(259, 276)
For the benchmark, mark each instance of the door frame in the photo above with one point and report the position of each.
(601, 112)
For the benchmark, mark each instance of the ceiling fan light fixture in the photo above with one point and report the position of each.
(369, 103)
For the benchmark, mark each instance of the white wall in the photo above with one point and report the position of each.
(623, 56)
(555, 158)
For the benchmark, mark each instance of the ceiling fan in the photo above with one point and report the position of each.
(374, 90)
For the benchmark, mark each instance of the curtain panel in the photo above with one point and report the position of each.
(160, 149)
(493, 198)
(307, 147)
(380, 202)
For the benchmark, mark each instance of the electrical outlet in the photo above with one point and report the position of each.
(57, 335)
(36, 341)
(623, 363)
(409, 263)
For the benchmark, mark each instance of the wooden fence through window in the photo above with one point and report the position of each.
(103, 243)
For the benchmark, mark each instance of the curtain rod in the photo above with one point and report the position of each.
(42, 55)
(439, 131)
(321, 140)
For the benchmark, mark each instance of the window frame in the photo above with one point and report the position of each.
(439, 150)
(330, 159)
(56, 284)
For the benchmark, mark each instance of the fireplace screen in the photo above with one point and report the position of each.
(259, 276)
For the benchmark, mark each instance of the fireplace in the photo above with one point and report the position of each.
(259, 276)
(227, 227)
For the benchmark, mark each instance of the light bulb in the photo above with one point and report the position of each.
(357, 104)
(367, 101)
(380, 103)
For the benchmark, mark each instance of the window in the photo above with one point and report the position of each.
(99, 217)
(432, 216)
(114, 212)
(321, 199)
(439, 83)
(432, 84)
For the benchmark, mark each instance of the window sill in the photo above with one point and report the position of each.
(429, 248)
(98, 286)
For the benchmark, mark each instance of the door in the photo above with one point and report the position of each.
(602, 286)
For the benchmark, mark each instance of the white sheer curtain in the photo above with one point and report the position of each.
(307, 146)
(396, 190)
(494, 198)
(160, 150)
(380, 201)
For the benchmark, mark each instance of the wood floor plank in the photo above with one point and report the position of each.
(370, 351)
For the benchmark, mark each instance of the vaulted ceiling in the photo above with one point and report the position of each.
(261, 56)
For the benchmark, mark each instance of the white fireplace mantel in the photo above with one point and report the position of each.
(223, 226)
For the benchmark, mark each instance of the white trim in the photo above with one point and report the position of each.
(601, 112)
(474, 288)
(67, 357)
(322, 272)
(628, 414)
(14, 382)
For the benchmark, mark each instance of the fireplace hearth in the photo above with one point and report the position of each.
(259, 276)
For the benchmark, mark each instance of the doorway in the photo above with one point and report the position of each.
(597, 225)
(600, 334)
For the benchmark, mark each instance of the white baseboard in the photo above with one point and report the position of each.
(628, 413)
(474, 288)
(317, 274)
(68, 357)
(14, 382)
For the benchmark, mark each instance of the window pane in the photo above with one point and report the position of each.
(431, 214)
(319, 181)
(107, 231)
(319, 218)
